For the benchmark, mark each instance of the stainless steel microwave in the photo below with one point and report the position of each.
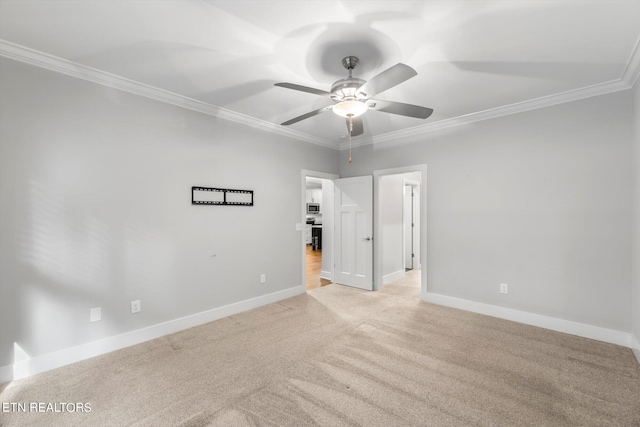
(313, 208)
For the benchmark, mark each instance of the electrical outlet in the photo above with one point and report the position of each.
(298, 226)
(135, 306)
(504, 288)
(95, 314)
(263, 278)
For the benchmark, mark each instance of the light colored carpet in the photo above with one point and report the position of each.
(340, 356)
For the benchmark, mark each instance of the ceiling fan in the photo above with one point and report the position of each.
(354, 96)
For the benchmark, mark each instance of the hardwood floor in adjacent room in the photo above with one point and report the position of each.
(314, 267)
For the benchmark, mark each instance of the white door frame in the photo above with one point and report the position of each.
(304, 173)
(377, 225)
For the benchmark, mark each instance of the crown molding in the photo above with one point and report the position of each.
(53, 63)
(627, 80)
(632, 71)
(519, 107)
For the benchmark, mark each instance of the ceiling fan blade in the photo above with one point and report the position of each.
(305, 89)
(358, 128)
(306, 116)
(385, 80)
(399, 108)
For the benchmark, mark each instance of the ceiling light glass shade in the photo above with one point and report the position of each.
(350, 108)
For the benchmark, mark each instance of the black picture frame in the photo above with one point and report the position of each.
(221, 196)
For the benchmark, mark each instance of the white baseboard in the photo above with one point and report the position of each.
(392, 276)
(326, 275)
(46, 362)
(635, 347)
(611, 336)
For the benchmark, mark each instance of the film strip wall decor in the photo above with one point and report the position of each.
(221, 196)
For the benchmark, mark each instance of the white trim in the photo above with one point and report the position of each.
(392, 277)
(635, 346)
(560, 325)
(378, 281)
(53, 63)
(60, 65)
(304, 173)
(325, 275)
(632, 70)
(46, 362)
(506, 110)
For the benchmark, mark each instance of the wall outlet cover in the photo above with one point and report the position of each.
(95, 314)
(136, 306)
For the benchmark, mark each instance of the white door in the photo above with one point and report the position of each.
(354, 230)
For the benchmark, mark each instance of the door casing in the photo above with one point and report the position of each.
(304, 173)
(377, 225)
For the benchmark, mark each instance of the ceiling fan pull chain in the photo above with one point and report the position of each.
(350, 130)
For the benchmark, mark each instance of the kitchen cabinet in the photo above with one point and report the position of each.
(314, 195)
(307, 234)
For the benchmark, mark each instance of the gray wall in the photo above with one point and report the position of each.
(391, 198)
(636, 212)
(95, 210)
(539, 200)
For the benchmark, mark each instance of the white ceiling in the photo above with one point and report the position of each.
(472, 57)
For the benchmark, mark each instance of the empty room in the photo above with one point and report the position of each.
(319, 213)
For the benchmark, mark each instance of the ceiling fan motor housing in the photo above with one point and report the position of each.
(345, 89)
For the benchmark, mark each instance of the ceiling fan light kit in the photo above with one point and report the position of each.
(350, 108)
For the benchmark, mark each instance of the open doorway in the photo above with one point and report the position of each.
(317, 229)
(400, 227)
(319, 194)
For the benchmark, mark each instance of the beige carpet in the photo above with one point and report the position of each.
(339, 356)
